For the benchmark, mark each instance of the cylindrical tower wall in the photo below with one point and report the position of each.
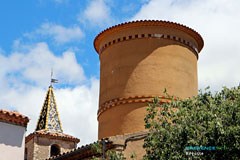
(138, 60)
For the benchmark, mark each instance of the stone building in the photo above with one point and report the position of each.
(48, 138)
(13, 127)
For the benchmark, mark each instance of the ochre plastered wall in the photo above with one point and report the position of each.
(139, 61)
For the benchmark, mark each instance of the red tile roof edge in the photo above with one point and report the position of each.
(81, 152)
(13, 117)
(61, 136)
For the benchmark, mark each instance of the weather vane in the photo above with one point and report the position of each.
(53, 80)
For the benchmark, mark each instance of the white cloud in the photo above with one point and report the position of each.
(35, 65)
(78, 111)
(24, 78)
(77, 108)
(97, 13)
(59, 33)
(217, 22)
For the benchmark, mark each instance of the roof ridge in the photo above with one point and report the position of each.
(53, 135)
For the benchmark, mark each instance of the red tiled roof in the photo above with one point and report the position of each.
(53, 135)
(13, 117)
(87, 152)
(82, 152)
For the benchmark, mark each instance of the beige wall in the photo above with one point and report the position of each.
(30, 149)
(12, 141)
(143, 66)
(130, 144)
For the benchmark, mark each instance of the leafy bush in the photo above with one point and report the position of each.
(181, 127)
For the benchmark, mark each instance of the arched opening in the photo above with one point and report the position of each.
(55, 150)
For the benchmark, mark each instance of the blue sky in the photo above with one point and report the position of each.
(43, 34)
(21, 21)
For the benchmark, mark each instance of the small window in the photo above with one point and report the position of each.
(109, 43)
(168, 36)
(124, 38)
(149, 35)
(55, 150)
(114, 41)
(143, 35)
(119, 39)
(130, 37)
(136, 36)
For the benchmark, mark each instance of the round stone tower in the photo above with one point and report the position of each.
(138, 60)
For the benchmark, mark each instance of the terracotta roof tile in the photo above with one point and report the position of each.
(13, 117)
(53, 135)
(86, 151)
(82, 152)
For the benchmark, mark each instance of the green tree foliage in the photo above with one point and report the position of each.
(210, 121)
(110, 154)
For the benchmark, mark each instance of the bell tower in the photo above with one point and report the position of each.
(48, 138)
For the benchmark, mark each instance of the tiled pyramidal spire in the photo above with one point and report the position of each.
(49, 119)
